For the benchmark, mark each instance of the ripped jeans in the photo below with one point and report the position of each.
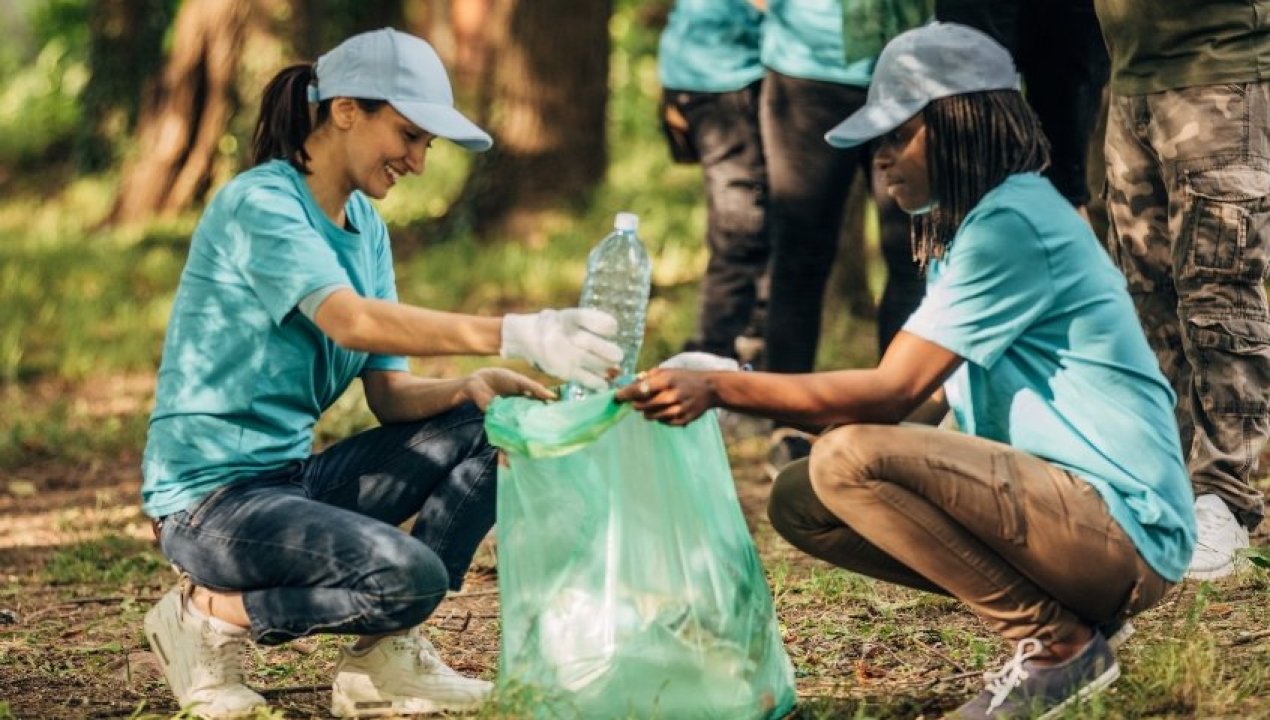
(315, 547)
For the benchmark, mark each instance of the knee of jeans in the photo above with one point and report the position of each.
(412, 584)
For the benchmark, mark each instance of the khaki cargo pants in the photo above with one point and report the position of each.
(1188, 198)
(1028, 546)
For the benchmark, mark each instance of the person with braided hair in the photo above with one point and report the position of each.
(1067, 446)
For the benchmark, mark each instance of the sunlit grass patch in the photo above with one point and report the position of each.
(111, 559)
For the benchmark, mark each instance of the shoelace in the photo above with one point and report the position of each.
(1001, 682)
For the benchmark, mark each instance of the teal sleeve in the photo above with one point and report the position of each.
(993, 284)
(282, 257)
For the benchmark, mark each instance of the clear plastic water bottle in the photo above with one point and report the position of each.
(618, 280)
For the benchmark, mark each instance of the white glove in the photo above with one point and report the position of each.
(571, 344)
(700, 361)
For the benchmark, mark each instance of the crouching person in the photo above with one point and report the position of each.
(287, 296)
(1063, 507)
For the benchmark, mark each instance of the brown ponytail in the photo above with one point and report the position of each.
(284, 122)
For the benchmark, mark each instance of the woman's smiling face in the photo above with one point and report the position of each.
(900, 156)
(381, 147)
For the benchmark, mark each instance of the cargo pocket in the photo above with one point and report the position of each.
(1232, 363)
(1005, 488)
(1227, 222)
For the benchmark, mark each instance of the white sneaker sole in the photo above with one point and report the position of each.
(344, 707)
(1235, 566)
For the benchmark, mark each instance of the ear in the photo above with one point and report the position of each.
(344, 112)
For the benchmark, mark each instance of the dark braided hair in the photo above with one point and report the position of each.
(285, 123)
(974, 141)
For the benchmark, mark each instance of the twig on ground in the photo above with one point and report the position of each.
(1244, 638)
(955, 665)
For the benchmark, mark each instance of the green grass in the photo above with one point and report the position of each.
(111, 559)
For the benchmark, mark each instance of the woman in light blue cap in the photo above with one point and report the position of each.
(287, 296)
(1062, 507)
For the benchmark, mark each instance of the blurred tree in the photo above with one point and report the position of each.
(319, 25)
(184, 118)
(550, 91)
(125, 44)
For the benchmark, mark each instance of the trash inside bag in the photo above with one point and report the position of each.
(630, 586)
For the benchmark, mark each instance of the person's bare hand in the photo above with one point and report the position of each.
(482, 386)
(674, 397)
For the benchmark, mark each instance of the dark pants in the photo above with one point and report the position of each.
(1059, 50)
(724, 130)
(808, 183)
(315, 548)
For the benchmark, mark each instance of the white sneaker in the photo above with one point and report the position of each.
(1220, 539)
(202, 665)
(401, 675)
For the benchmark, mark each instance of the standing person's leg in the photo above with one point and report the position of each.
(725, 131)
(1064, 62)
(807, 185)
(1218, 181)
(1188, 228)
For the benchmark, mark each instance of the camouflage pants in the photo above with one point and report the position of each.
(1188, 196)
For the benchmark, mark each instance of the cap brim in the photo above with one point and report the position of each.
(871, 121)
(446, 122)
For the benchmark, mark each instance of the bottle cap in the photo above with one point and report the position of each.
(626, 222)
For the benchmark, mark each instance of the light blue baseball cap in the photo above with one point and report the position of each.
(405, 71)
(924, 64)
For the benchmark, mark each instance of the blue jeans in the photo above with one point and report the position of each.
(315, 548)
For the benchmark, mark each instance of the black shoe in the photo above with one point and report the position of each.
(784, 447)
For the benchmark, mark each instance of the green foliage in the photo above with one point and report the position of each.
(111, 560)
(39, 106)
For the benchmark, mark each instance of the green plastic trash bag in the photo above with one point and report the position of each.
(630, 586)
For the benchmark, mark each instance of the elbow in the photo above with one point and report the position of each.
(351, 331)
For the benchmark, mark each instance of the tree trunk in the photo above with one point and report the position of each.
(183, 120)
(125, 44)
(550, 95)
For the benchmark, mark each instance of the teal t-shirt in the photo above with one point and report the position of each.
(244, 375)
(1056, 362)
(803, 39)
(710, 46)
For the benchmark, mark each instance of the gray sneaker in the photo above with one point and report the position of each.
(1023, 689)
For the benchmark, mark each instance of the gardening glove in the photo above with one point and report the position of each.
(700, 361)
(572, 344)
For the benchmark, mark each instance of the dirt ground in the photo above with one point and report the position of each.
(79, 572)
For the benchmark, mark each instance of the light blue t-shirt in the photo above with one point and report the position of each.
(1056, 362)
(803, 39)
(244, 375)
(710, 46)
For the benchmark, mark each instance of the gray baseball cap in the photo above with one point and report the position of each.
(404, 70)
(921, 65)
